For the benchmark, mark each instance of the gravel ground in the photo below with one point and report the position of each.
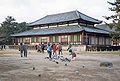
(35, 67)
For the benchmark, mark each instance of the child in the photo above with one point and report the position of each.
(49, 50)
(39, 48)
(69, 47)
(59, 47)
(42, 47)
(73, 54)
(54, 48)
(21, 49)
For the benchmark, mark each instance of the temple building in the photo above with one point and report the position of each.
(70, 27)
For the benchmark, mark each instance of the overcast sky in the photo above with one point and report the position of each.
(31, 10)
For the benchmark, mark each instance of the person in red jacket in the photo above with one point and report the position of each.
(54, 48)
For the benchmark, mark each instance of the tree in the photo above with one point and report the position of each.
(10, 26)
(115, 21)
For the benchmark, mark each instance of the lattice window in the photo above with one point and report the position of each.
(33, 39)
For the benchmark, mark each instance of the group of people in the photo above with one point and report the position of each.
(40, 48)
(23, 49)
(54, 49)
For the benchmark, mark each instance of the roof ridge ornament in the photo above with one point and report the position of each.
(77, 13)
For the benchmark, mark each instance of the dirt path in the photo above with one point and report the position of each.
(85, 68)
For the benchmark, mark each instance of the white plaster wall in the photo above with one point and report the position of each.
(76, 48)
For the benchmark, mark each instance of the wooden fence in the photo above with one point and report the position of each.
(102, 48)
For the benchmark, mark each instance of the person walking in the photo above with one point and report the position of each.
(36, 46)
(1, 47)
(4, 46)
(69, 47)
(21, 49)
(59, 47)
(42, 47)
(39, 48)
(25, 47)
(49, 50)
(54, 48)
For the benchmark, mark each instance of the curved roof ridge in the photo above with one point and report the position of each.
(88, 16)
(38, 19)
(62, 13)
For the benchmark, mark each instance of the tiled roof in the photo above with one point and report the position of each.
(59, 30)
(95, 30)
(105, 27)
(62, 17)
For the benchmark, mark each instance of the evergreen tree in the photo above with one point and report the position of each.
(10, 26)
(115, 21)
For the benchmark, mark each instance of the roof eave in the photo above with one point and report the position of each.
(45, 34)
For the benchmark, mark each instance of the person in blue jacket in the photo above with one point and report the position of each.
(49, 50)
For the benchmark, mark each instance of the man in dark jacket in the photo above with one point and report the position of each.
(25, 47)
(42, 47)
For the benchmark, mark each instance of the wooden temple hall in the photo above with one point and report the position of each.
(70, 27)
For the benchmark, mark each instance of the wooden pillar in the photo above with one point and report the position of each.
(40, 39)
(48, 25)
(104, 40)
(67, 23)
(68, 39)
(57, 25)
(94, 40)
(48, 38)
(60, 39)
(86, 39)
(82, 37)
(98, 41)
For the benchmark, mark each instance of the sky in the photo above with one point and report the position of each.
(31, 10)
